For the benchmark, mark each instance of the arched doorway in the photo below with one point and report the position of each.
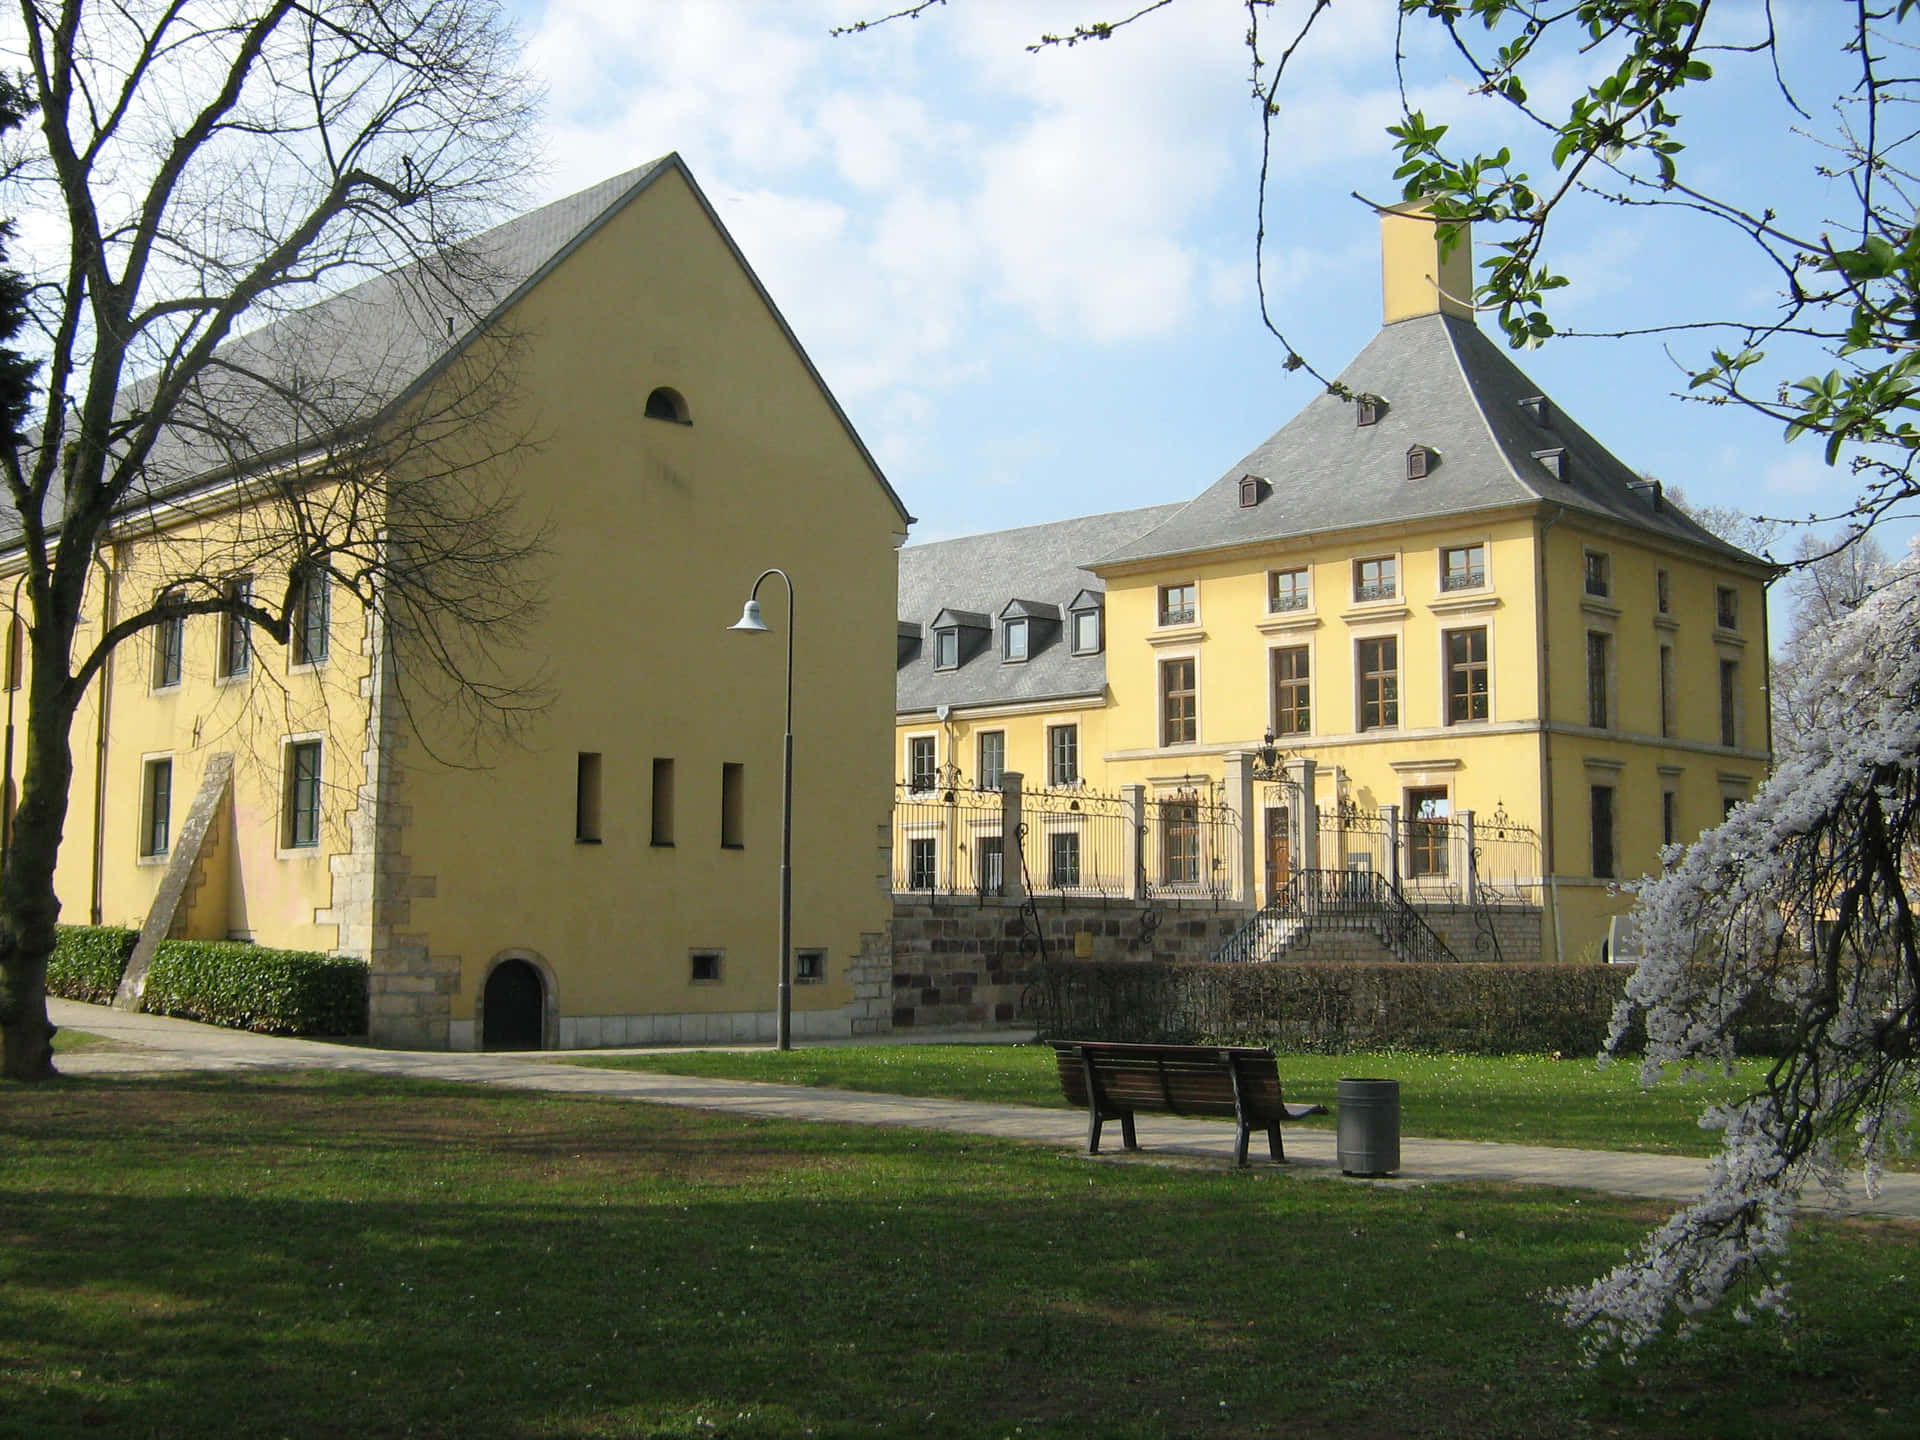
(513, 1009)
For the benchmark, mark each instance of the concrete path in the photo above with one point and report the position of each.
(149, 1043)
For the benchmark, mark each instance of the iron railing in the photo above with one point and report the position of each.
(1080, 842)
(947, 841)
(1336, 900)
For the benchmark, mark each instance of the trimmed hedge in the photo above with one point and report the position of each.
(1331, 1008)
(223, 982)
(88, 960)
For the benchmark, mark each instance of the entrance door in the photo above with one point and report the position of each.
(513, 1010)
(1279, 851)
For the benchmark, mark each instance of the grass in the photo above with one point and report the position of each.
(329, 1255)
(65, 1041)
(1524, 1099)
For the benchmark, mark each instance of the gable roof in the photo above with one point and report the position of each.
(1449, 388)
(981, 574)
(360, 354)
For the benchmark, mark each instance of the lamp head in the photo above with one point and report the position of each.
(750, 620)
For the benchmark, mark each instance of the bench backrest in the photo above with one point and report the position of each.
(1177, 1079)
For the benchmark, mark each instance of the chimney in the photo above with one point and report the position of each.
(1414, 279)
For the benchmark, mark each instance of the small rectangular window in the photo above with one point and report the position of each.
(1376, 579)
(733, 806)
(1463, 567)
(662, 802)
(946, 649)
(923, 771)
(1669, 818)
(1289, 590)
(1179, 719)
(1178, 604)
(1086, 632)
(311, 615)
(1063, 860)
(1016, 640)
(1063, 754)
(1466, 675)
(236, 634)
(993, 758)
(1666, 691)
(1601, 802)
(156, 807)
(1597, 677)
(1379, 683)
(1599, 575)
(1729, 702)
(301, 827)
(1663, 592)
(703, 966)
(1726, 607)
(923, 860)
(809, 967)
(1292, 692)
(586, 798)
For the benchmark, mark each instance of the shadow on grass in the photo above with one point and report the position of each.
(325, 1255)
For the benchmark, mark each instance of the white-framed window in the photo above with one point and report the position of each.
(1063, 754)
(312, 613)
(1063, 860)
(1086, 631)
(923, 862)
(923, 761)
(946, 648)
(993, 758)
(1289, 590)
(169, 646)
(156, 806)
(236, 634)
(1468, 697)
(1016, 639)
(300, 794)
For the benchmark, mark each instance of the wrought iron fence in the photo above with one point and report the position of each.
(1191, 846)
(1080, 842)
(1468, 858)
(947, 841)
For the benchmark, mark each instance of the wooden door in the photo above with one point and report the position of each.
(1279, 851)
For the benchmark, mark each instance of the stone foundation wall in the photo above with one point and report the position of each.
(964, 966)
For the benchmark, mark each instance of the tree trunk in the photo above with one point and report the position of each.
(29, 909)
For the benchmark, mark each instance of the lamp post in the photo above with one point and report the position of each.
(751, 622)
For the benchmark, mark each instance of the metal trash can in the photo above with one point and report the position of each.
(1368, 1117)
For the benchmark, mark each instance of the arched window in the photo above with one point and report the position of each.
(666, 403)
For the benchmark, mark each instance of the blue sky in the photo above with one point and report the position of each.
(1029, 278)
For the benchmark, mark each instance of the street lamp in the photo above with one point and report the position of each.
(751, 622)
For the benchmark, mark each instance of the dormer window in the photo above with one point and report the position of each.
(958, 636)
(946, 649)
(1252, 491)
(1554, 462)
(1015, 640)
(1367, 410)
(666, 403)
(1420, 460)
(1085, 618)
(1536, 409)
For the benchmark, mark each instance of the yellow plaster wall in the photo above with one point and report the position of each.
(249, 885)
(657, 533)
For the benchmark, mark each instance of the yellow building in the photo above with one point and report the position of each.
(1434, 594)
(612, 877)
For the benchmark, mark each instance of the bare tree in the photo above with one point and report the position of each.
(216, 168)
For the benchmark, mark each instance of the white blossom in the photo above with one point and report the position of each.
(1799, 901)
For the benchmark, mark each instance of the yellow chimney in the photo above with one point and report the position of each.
(1414, 278)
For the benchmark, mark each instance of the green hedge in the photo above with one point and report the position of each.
(242, 986)
(1326, 1007)
(88, 960)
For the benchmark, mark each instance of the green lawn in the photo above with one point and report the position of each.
(67, 1041)
(1526, 1099)
(329, 1255)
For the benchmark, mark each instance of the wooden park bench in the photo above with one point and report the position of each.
(1113, 1080)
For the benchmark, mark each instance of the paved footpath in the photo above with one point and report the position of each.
(148, 1043)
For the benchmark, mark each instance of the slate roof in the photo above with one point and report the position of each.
(366, 349)
(1450, 388)
(981, 573)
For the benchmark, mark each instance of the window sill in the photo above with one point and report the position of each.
(159, 859)
(1176, 635)
(586, 840)
(660, 844)
(735, 846)
(164, 691)
(1603, 608)
(297, 852)
(1374, 610)
(1286, 621)
(234, 678)
(1455, 603)
(306, 666)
